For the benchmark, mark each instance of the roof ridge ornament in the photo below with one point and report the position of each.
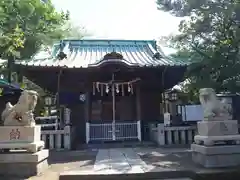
(157, 55)
(61, 55)
(113, 55)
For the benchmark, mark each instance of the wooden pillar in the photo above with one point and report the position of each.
(138, 103)
(87, 114)
(138, 106)
(167, 106)
(87, 106)
(173, 108)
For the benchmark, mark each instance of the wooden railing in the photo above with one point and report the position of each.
(175, 135)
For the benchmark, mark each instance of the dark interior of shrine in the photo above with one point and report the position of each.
(143, 103)
(77, 79)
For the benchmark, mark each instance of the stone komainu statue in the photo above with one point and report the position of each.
(213, 108)
(21, 114)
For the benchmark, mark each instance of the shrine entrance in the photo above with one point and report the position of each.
(113, 112)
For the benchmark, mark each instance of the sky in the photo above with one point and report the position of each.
(120, 19)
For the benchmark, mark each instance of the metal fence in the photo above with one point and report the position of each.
(113, 131)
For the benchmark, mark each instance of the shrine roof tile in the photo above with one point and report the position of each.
(85, 53)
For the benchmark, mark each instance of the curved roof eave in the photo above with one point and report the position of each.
(89, 53)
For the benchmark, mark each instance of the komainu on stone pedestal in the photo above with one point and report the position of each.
(217, 142)
(217, 126)
(21, 114)
(19, 130)
(213, 109)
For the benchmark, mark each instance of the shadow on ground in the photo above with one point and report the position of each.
(180, 160)
(181, 163)
(72, 156)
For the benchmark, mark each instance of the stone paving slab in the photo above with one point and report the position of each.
(115, 161)
(135, 162)
(154, 163)
(121, 163)
(118, 163)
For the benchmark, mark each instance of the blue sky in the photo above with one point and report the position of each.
(120, 19)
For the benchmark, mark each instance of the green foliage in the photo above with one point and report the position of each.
(72, 31)
(210, 37)
(27, 24)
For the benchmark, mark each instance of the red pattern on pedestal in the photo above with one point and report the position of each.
(14, 134)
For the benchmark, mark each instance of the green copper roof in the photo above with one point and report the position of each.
(86, 53)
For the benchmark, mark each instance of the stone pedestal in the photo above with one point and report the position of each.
(29, 159)
(217, 128)
(217, 140)
(217, 144)
(216, 156)
(214, 132)
(22, 164)
(24, 137)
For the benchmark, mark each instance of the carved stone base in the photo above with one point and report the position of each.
(216, 156)
(217, 128)
(23, 164)
(20, 133)
(21, 137)
(214, 140)
(29, 147)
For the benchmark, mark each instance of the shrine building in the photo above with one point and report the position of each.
(112, 87)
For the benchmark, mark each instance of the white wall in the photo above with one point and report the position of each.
(191, 112)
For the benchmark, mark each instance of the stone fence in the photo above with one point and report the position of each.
(175, 135)
(58, 139)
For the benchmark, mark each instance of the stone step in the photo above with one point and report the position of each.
(179, 179)
(98, 145)
(165, 175)
(209, 174)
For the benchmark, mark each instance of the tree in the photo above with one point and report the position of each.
(71, 31)
(27, 24)
(210, 38)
